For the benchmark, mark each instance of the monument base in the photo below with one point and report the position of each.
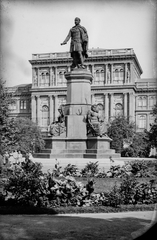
(92, 147)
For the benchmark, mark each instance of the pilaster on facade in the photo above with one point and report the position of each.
(125, 104)
(38, 110)
(51, 77)
(34, 110)
(38, 73)
(51, 108)
(125, 73)
(56, 107)
(132, 80)
(132, 106)
(147, 121)
(106, 106)
(92, 98)
(106, 69)
(92, 66)
(111, 81)
(111, 105)
(55, 82)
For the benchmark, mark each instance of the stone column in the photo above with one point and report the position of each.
(56, 107)
(132, 80)
(33, 102)
(111, 73)
(87, 67)
(51, 107)
(33, 75)
(92, 98)
(38, 77)
(106, 106)
(93, 73)
(111, 105)
(18, 105)
(39, 111)
(132, 107)
(55, 68)
(106, 68)
(125, 104)
(147, 121)
(51, 76)
(125, 73)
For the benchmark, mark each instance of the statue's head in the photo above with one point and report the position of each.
(77, 20)
(93, 107)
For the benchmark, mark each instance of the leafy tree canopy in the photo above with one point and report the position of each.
(153, 129)
(120, 128)
(19, 133)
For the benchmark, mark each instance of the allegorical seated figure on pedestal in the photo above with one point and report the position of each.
(96, 125)
(58, 127)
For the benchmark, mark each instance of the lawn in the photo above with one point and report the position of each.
(46, 227)
(106, 184)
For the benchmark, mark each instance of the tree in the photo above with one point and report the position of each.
(5, 100)
(120, 128)
(19, 133)
(139, 147)
(153, 129)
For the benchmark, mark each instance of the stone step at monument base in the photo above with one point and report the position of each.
(73, 153)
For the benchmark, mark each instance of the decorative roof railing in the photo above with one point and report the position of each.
(91, 53)
(146, 85)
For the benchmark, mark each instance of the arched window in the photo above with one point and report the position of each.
(118, 109)
(45, 116)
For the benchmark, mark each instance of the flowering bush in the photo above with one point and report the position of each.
(28, 185)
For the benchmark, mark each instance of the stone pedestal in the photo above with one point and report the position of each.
(75, 143)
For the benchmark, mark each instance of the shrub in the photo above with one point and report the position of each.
(25, 183)
(90, 169)
(70, 170)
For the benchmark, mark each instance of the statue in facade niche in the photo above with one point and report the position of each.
(96, 125)
(79, 44)
(58, 127)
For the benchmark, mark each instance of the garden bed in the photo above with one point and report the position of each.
(4, 210)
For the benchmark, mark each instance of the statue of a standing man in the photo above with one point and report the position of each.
(79, 44)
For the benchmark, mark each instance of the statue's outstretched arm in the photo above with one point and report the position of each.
(67, 38)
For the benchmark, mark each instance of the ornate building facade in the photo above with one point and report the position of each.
(117, 86)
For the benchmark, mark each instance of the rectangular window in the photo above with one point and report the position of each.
(152, 101)
(12, 106)
(23, 104)
(142, 102)
(142, 121)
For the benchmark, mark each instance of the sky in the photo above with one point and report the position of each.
(39, 26)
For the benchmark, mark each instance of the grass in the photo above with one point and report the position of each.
(67, 228)
(106, 184)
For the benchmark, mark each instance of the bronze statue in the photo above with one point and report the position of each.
(58, 127)
(95, 122)
(79, 44)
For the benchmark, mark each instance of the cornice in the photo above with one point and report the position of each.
(90, 60)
